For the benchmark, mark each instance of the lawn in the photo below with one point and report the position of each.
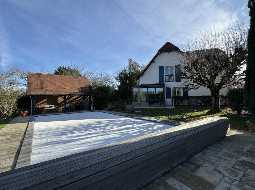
(189, 114)
(241, 122)
(2, 124)
(178, 114)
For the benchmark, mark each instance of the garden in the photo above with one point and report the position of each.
(186, 114)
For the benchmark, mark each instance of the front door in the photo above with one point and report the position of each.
(168, 96)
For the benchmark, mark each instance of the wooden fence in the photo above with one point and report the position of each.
(126, 166)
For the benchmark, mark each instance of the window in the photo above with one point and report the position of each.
(151, 90)
(169, 74)
(141, 95)
(159, 90)
(144, 90)
(178, 91)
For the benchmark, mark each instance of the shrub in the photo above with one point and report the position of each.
(102, 96)
(9, 93)
(236, 99)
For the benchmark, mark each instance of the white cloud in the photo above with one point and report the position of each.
(178, 20)
(104, 33)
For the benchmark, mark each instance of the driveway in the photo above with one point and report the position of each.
(229, 164)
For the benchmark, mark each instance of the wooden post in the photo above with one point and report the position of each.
(31, 106)
(90, 98)
(65, 103)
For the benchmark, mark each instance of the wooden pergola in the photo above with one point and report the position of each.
(48, 85)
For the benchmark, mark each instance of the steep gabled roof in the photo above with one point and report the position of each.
(48, 84)
(167, 47)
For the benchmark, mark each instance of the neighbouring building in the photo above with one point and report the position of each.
(161, 83)
(58, 93)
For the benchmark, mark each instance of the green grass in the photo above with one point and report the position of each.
(240, 122)
(2, 124)
(178, 114)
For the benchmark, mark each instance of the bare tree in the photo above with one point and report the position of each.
(215, 60)
(101, 79)
(10, 91)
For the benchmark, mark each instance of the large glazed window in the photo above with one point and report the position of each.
(151, 95)
(169, 74)
(151, 90)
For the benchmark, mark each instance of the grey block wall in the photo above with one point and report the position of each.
(126, 166)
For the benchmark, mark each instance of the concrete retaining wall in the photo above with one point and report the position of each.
(129, 165)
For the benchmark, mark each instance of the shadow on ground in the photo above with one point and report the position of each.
(228, 164)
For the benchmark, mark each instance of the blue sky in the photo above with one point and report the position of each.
(100, 35)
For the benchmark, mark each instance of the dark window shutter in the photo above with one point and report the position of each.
(178, 73)
(185, 92)
(161, 74)
(168, 92)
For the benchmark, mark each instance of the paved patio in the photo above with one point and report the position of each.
(229, 164)
(10, 138)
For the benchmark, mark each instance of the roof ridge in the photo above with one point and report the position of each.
(167, 47)
(50, 74)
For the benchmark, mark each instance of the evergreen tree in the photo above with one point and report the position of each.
(67, 70)
(250, 79)
(127, 79)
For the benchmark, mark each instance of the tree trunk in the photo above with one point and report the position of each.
(215, 106)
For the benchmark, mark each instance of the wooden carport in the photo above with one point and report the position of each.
(58, 93)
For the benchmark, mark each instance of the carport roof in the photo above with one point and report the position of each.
(48, 84)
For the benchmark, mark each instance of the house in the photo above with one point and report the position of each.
(57, 93)
(161, 83)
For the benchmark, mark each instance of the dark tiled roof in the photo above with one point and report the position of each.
(167, 47)
(48, 84)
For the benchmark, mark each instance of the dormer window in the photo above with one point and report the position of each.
(169, 74)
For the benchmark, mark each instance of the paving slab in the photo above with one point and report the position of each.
(226, 165)
(10, 138)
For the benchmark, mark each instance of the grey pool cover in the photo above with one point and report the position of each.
(64, 134)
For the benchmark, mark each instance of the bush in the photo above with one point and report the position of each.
(24, 103)
(102, 96)
(236, 99)
(8, 103)
(9, 93)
